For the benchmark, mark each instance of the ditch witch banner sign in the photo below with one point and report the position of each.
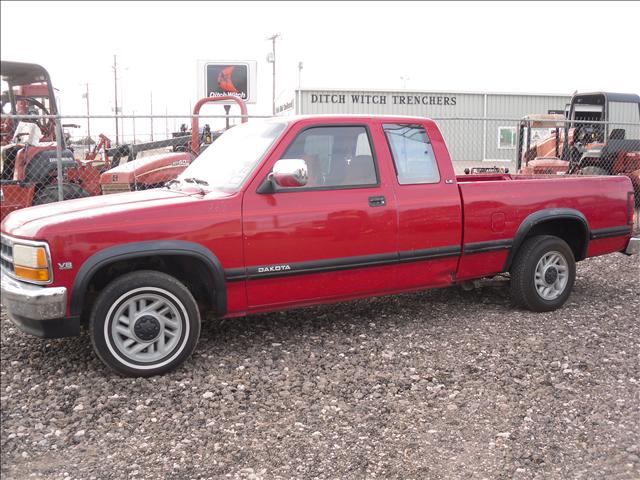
(227, 80)
(383, 99)
(219, 78)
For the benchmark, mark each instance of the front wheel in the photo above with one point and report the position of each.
(144, 323)
(543, 273)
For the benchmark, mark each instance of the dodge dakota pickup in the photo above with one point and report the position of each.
(287, 212)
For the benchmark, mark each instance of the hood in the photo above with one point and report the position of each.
(86, 213)
(152, 169)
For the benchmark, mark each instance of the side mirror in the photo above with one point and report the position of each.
(286, 173)
(290, 173)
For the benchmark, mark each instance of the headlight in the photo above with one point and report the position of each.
(31, 263)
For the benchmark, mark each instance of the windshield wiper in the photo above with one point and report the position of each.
(199, 181)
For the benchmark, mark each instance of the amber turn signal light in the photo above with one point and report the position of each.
(34, 274)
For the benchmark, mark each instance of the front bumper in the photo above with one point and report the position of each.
(38, 310)
(633, 247)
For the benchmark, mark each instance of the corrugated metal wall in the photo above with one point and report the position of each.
(464, 137)
(625, 113)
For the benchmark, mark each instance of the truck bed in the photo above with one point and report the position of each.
(495, 206)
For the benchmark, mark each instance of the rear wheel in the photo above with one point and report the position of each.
(49, 194)
(144, 323)
(543, 273)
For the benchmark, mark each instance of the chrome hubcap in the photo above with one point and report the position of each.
(146, 327)
(551, 275)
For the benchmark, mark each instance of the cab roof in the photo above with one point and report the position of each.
(18, 73)
(611, 96)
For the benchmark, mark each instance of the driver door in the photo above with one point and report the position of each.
(334, 238)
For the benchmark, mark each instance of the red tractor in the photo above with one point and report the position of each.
(29, 156)
(98, 152)
(155, 170)
(587, 142)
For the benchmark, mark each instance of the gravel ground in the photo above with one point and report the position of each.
(439, 384)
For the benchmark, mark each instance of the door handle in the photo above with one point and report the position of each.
(378, 201)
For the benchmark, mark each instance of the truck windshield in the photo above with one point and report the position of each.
(228, 161)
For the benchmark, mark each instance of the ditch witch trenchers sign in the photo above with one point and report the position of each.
(383, 99)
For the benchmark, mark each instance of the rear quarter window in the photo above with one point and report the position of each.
(412, 153)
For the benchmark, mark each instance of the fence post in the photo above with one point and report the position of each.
(484, 129)
(59, 148)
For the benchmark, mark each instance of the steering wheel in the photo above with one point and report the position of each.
(46, 125)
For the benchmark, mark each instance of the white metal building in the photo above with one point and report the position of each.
(476, 125)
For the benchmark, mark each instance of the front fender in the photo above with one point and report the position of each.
(135, 250)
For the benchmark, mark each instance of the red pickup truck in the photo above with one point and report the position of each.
(289, 212)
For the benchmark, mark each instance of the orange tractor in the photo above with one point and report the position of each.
(587, 141)
(29, 152)
(29, 163)
(540, 144)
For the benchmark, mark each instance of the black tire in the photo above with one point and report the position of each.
(49, 194)
(130, 291)
(525, 292)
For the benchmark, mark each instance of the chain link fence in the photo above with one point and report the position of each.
(147, 151)
(36, 169)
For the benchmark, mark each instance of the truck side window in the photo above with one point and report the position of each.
(412, 154)
(335, 156)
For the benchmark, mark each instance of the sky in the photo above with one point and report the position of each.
(541, 47)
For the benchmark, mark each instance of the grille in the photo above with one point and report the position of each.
(115, 188)
(6, 255)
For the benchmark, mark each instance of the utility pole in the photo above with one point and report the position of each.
(299, 107)
(115, 85)
(86, 95)
(272, 59)
(166, 122)
(151, 116)
(122, 109)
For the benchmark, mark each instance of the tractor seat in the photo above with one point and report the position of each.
(617, 134)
